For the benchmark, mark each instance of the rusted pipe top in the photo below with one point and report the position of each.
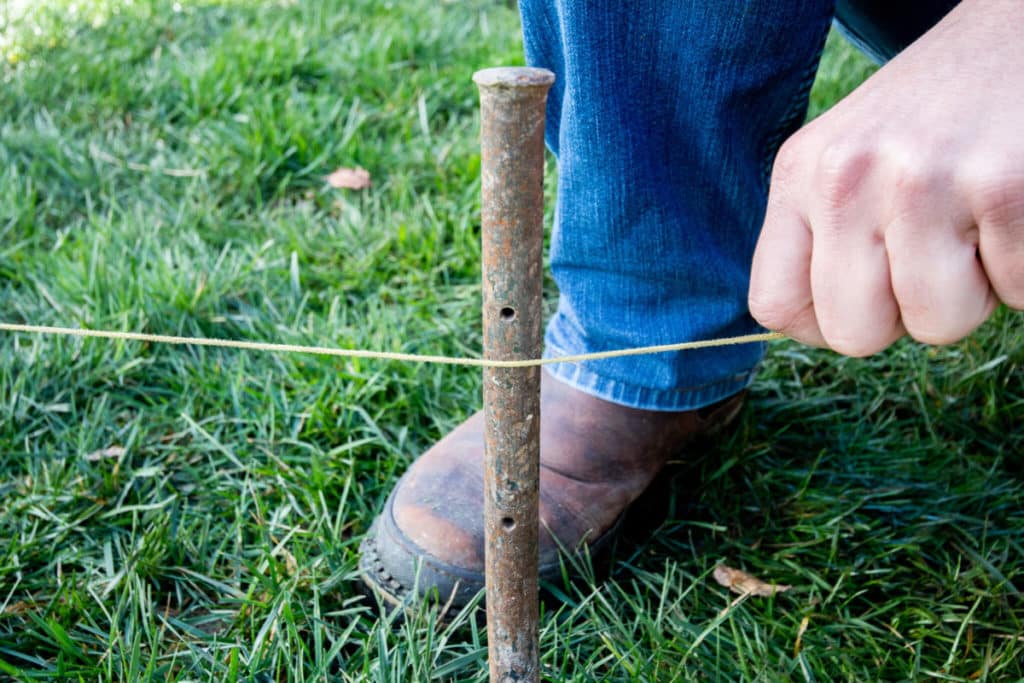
(513, 77)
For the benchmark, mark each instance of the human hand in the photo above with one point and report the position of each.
(901, 209)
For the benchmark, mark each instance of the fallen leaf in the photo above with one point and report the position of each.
(350, 178)
(740, 582)
(109, 452)
(16, 608)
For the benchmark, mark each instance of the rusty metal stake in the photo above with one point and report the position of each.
(512, 104)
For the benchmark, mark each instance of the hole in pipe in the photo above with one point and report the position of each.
(508, 523)
(507, 313)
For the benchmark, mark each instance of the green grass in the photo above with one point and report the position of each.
(172, 513)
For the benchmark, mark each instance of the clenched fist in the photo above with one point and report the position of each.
(901, 210)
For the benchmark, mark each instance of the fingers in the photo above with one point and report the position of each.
(998, 206)
(863, 250)
(902, 207)
(856, 308)
(780, 286)
(820, 273)
(937, 278)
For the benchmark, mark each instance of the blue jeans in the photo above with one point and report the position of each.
(665, 118)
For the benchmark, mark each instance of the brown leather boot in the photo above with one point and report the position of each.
(596, 458)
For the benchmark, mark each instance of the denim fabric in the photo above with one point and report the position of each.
(665, 118)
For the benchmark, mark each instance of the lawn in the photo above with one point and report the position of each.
(189, 514)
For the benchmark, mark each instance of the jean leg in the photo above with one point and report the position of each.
(665, 118)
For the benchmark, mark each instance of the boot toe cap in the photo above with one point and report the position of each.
(399, 570)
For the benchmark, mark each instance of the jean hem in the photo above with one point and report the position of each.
(578, 376)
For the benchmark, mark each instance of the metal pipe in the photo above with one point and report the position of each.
(512, 102)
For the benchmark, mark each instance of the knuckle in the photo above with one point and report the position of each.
(999, 203)
(995, 190)
(843, 167)
(771, 311)
(789, 158)
(914, 184)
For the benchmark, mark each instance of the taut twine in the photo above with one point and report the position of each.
(384, 355)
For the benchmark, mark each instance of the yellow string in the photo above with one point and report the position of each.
(384, 355)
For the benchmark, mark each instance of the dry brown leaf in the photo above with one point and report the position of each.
(108, 452)
(740, 582)
(17, 608)
(350, 178)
